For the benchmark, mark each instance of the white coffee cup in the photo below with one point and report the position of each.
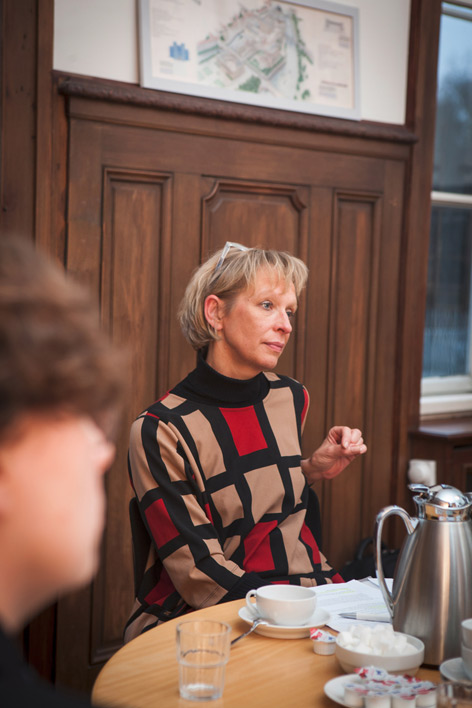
(285, 605)
(466, 631)
(467, 660)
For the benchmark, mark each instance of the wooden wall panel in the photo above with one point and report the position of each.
(353, 305)
(421, 113)
(265, 215)
(136, 221)
(316, 325)
(19, 25)
(123, 239)
(245, 191)
(382, 470)
(185, 254)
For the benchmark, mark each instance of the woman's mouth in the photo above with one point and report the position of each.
(276, 346)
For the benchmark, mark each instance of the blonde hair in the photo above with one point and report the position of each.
(226, 280)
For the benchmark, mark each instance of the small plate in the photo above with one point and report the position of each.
(453, 670)
(318, 619)
(334, 689)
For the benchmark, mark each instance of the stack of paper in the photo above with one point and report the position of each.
(356, 597)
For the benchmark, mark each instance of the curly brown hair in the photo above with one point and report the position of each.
(54, 358)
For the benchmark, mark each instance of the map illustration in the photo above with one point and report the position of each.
(258, 50)
(281, 50)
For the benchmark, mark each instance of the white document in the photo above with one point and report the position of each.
(354, 596)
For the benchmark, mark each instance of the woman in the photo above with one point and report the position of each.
(216, 463)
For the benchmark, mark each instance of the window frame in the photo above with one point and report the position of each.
(450, 394)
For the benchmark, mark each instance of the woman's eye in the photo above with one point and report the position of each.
(267, 305)
(290, 314)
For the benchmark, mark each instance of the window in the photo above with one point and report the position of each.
(447, 352)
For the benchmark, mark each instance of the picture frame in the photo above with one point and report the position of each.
(295, 55)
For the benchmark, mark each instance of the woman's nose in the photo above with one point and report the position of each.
(284, 322)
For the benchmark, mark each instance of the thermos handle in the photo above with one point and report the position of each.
(379, 522)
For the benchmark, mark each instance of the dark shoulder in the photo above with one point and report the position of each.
(30, 691)
(21, 686)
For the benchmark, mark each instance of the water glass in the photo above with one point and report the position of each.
(202, 653)
(454, 695)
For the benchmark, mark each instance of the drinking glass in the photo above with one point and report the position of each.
(454, 695)
(202, 653)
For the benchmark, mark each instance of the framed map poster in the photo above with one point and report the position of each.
(297, 55)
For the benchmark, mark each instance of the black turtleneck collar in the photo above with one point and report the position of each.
(205, 385)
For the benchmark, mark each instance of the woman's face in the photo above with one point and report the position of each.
(254, 330)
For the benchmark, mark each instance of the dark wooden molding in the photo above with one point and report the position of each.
(455, 429)
(18, 88)
(26, 51)
(425, 16)
(131, 94)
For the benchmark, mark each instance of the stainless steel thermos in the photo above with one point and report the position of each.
(432, 584)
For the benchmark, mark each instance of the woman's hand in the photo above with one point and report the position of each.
(340, 447)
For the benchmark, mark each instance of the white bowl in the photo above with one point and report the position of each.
(408, 664)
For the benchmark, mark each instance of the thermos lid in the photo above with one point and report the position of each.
(441, 502)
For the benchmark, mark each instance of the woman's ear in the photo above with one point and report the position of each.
(214, 310)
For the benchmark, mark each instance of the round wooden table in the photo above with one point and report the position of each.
(262, 671)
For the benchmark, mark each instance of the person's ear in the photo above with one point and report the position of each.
(214, 311)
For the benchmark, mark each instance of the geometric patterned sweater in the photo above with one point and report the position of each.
(215, 467)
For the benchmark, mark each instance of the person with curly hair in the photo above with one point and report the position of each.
(60, 398)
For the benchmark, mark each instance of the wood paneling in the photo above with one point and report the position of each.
(25, 100)
(342, 213)
(421, 112)
(240, 115)
(257, 214)
(354, 298)
(119, 243)
(19, 91)
(136, 222)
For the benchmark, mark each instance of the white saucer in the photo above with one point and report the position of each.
(334, 689)
(453, 670)
(318, 619)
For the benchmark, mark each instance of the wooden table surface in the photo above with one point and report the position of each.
(262, 671)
